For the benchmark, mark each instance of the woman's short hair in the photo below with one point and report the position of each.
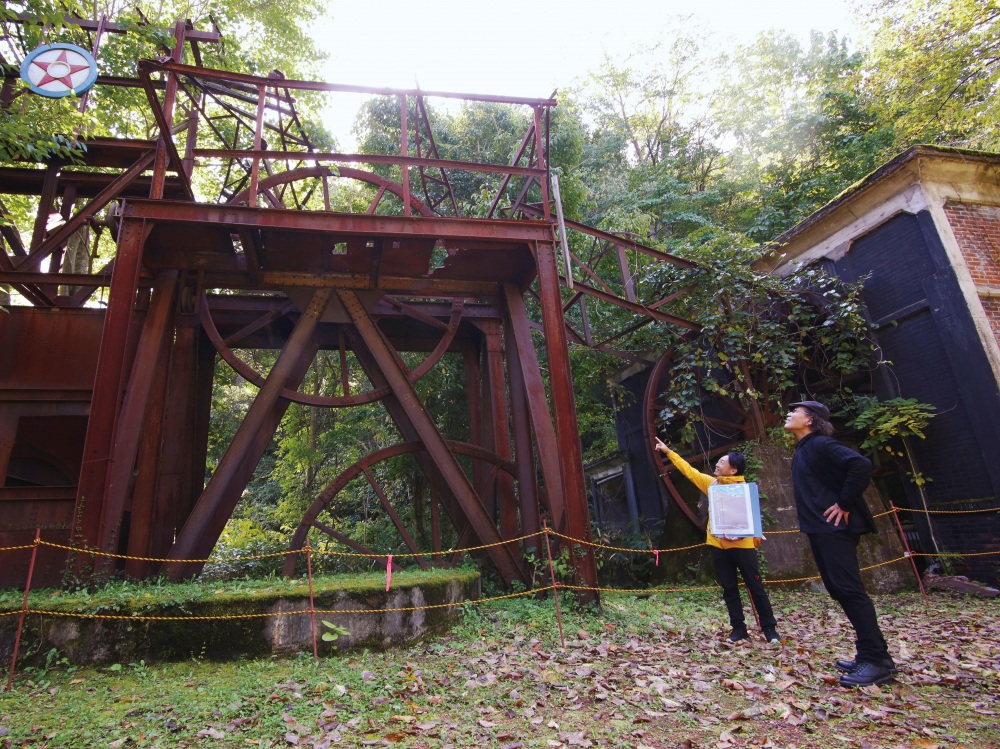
(737, 461)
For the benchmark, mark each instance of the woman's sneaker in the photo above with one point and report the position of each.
(771, 635)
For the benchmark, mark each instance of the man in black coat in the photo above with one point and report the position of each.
(829, 480)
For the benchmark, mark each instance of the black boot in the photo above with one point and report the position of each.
(849, 666)
(866, 674)
(738, 633)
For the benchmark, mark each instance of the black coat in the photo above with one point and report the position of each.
(824, 473)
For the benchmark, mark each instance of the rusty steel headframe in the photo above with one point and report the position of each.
(106, 381)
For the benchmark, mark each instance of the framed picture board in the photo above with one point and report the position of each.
(734, 510)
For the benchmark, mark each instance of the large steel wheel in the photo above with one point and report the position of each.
(366, 468)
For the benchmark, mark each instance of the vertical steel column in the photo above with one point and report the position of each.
(172, 490)
(564, 406)
(8, 434)
(474, 402)
(169, 97)
(131, 420)
(524, 450)
(258, 136)
(45, 203)
(142, 499)
(109, 384)
(542, 159)
(495, 395)
(405, 151)
(538, 407)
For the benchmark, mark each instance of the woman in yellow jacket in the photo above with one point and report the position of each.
(731, 554)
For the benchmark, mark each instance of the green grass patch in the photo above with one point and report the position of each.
(636, 672)
(123, 595)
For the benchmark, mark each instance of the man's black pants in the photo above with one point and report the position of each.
(727, 562)
(836, 556)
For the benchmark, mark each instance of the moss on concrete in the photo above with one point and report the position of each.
(274, 616)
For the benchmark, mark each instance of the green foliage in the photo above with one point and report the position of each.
(624, 569)
(333, 632)
(805, 127)
(759, 332)
(888, 424)
(884, 422)
(936, 66)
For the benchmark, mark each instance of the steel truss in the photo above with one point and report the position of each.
(106, 390)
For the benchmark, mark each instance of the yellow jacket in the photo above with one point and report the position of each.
(703, 481)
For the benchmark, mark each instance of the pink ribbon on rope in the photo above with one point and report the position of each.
(388, 572)
(656, 553)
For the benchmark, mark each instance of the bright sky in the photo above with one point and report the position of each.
(530, 47)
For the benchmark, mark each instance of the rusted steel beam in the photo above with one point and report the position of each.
(251, 242)
(211, 37)
(170, 500)
(574, 498)
(9, 233)
(524, 452)
(474, 392)
(109, 383)
(87, 288)
(354, 224)
(57, 239)
(362, 158)
(45, 203)
(542, 156)
(141, 502)
(497, 409)
(586, 269)
(166, 138)
(223, 75)
(538, 407)
(509, 566)
(214, 507)
(614, 239)
(346, 540)
(258, 135)
(9, 417)
(622, 333)
(21, 181)
(525, 142)
(261, 322)
(433, 151)
(131, 422)
(404, 150)
(626, 272)
(24, 285)
(639, 309)
(37, 494)
(361, 281)
(401, 418)
(193, 473)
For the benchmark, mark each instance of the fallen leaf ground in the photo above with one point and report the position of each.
(651, 672)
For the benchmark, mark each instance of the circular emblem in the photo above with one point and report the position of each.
(58, 70)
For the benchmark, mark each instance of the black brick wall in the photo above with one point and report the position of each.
(927, 332)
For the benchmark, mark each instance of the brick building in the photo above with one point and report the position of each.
(924, 230)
